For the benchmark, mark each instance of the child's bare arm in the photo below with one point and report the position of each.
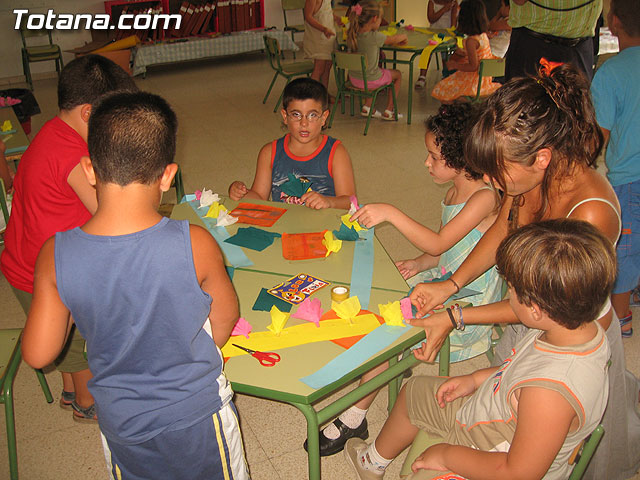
(213, 278)
(49, 320)
(434, 15)
(399, 39)
(5, 174)
(261, 187)
(471, 46)
(409, 268)
(310, 7)
(343, 182)
(544, 420)
(86, 192)
(454, 13)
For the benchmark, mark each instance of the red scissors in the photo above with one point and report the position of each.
(266, 359)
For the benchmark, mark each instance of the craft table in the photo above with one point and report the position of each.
(16, 142)
(195, 48)
(282, 382)
(416, 44)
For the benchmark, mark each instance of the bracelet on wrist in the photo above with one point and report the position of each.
(461, 324)
(455, 284)
(453, 320)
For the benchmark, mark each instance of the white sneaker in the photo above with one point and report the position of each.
(352, 451)
(420, 83)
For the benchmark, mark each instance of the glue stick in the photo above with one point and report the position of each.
(339, 294)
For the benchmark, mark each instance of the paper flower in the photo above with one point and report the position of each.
(310, 310)
(345, 219)
(207, 197)
(224, 219)
(295, 187)
(344, 20)
(242, 327)
(214, 209)
(347, 309)
(354, 205)
(392, 314)
(278, 320)
(390, 31)
(346, 233)
(406, 308)
(331, 243)
(6, 126)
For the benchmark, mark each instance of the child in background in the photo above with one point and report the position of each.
(441, 14)
(164, 404)
(473, 22)
(545, 398)
(617, 102)
(500, 30)
(468, 210)
(51, 194)
(304, 152)
(363, 37)
(319, 37)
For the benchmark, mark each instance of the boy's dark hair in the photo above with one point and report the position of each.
(305, 89)
(628, 12)
(472, 18)
(86, 79)
(565, 266)
(450, 126)
(132, 138)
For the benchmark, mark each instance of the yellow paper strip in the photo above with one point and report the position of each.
(330, 329)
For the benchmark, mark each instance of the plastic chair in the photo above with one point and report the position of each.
(344, 62)
(583, 454)
(38, 53)
(489, 67)
(10, 358)
(288, 6)
(288, 70)
(3, 202)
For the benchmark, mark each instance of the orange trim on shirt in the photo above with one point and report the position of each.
(274, 146)
(550, 380)
(485, 422)
(580, 354)
(331, 153)
(308, 157)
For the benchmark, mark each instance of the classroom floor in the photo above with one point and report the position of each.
(223, 124)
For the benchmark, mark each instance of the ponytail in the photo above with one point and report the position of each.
(359, 15)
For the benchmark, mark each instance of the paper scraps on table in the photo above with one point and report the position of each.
(362, 267)
(253, 238)
(347, 309)
(254, 214)
(278, 320)
(348, 234)
(389, 31)
(296, 289)
(303, 246)
(406, 308)
(214, 209)
(242, 327)
(295, 187)
(346, 221)
(207, 197)
(310, 310)
(265, 301)
(331, 243)
(330, 329)
(224, 219)
(354, 205)
(6, 126)
(392, 314)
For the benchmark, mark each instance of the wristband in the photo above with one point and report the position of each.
(461, 324)
(453, 320)
(455, 284)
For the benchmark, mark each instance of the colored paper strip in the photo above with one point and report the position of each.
(362, 269)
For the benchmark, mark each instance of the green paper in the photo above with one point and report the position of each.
(346, 233)
(253, 238)
(265, 301)
(294, 187)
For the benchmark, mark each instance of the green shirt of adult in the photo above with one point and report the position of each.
(565, 20)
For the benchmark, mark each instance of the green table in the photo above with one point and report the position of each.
(16, 142)
(281, 382)
(416, 44)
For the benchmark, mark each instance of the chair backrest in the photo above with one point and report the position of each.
(288, 5)
(344, 62)
(24, 34)
(489, 67)
(588, 449)
(272, 47)
(3, 201)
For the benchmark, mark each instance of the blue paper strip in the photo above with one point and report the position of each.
(365, 348)
(234, 254)
(362, 269)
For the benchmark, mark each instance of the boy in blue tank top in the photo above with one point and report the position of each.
(140, 287)
(315, 159)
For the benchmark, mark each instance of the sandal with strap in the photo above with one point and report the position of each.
(635, 297)
(66, 399)
(390, 116)
(365, 112)
(626, 321)
(420, 83)
(84, 415)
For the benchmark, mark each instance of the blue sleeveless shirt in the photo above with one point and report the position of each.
(137, 301)
(316, 168)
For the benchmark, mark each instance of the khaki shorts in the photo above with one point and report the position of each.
(71, 359)
(425, 413)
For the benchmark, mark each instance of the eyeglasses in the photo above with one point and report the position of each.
(311, 117)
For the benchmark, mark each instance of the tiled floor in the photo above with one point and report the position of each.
(223, 124)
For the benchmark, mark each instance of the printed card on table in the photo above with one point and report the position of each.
(296, 289)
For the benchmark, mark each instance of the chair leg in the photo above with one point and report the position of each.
(293, 39)
(264, 100)
(339, 95)
(11, 431)
(395, 102)
(444, 358)
(275, 109)
(44, 385)
(26, 70)
(371, 109)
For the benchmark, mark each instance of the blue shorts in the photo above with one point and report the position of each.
(208, 450)
(628, 249)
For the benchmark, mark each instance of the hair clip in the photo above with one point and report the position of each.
(357, 8)
(547, 66)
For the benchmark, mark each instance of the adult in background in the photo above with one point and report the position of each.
(558, 30)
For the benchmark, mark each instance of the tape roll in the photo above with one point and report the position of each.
(339, 294)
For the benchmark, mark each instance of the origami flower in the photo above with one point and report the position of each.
(347, 309)
(392, 314)
(278, 320)
(309, 310)
(207, 197)
(242, 327)
(331, 243)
